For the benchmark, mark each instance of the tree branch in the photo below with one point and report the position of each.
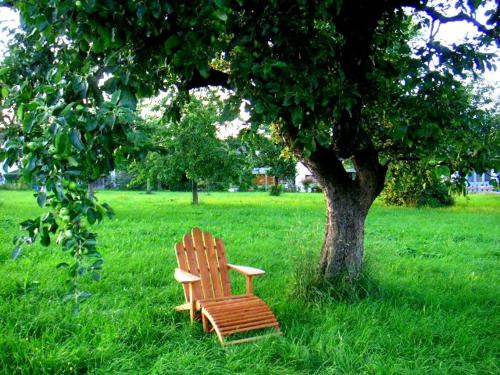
(462, 16)
(456, 18)
(215, 78)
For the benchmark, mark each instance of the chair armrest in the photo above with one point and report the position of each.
(185, 277)
(247, 271)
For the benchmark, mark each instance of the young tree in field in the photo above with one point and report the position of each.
(338, 80)
(194, 149)
(148, 171)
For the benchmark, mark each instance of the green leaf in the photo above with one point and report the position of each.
(45, 237)
(83, 295)
(91, 216)
(76, 140)
(41, 198)
(97, 264)
(72, 161)
(5, 91)
(220, 15)
(91, 124)
(60, 142)
(16, 253)
(442, 171)
(204, 71)
(115, 97)
(172, 41)
(30, 166)
(297, 116)
(62, 265)
(20, 112)
(128, 99)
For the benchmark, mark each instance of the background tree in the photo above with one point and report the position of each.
(338, 79)
(148, 172)
(427, 181)
(194, 148)
(415, 184)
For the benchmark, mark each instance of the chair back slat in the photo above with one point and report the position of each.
(193, 265)
(180, 252)
(201, 259)
(224, 275)
(205, 257)
(213, 264)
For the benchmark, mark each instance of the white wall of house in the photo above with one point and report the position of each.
(302, 173)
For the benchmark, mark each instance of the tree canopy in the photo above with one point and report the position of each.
(337, 79)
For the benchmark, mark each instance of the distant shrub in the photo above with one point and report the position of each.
(14, 186)
(306, 182)
(414, 185)
(276, 190)
(316, 188)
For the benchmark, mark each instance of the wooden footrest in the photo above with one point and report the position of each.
(237, 315)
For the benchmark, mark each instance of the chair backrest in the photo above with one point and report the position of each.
(202, 255)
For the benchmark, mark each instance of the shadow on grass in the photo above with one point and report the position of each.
(447, 295)
(311, 287)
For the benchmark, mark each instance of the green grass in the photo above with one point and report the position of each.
(436, 309)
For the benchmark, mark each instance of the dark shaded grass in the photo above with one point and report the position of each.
(431, 301)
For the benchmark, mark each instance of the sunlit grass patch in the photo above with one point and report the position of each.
(433, 305)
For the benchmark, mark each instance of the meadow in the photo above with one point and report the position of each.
(432, 308)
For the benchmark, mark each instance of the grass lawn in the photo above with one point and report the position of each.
(435, 309)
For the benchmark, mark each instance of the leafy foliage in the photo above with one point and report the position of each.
(196, 150)
(62, 136)
(416, 185)
(276, 190)
(337, 79)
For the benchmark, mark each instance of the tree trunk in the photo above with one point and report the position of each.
(343, 246)
(148, 186)
(276, 181)
(195, 192)
(347, 203)
(90, 188)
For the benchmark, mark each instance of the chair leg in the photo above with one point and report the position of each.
(192, 315)
(192, 310)
(205, 323)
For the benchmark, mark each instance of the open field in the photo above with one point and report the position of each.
(435, 308)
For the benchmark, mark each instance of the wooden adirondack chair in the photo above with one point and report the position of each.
(203, 272)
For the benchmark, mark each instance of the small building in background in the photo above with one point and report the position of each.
(482, 182)
(262, 179)
(306, 182)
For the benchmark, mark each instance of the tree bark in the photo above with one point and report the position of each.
(91, 192)
(343, 245)
(148, 186)
(194, 188)
(348, 201)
